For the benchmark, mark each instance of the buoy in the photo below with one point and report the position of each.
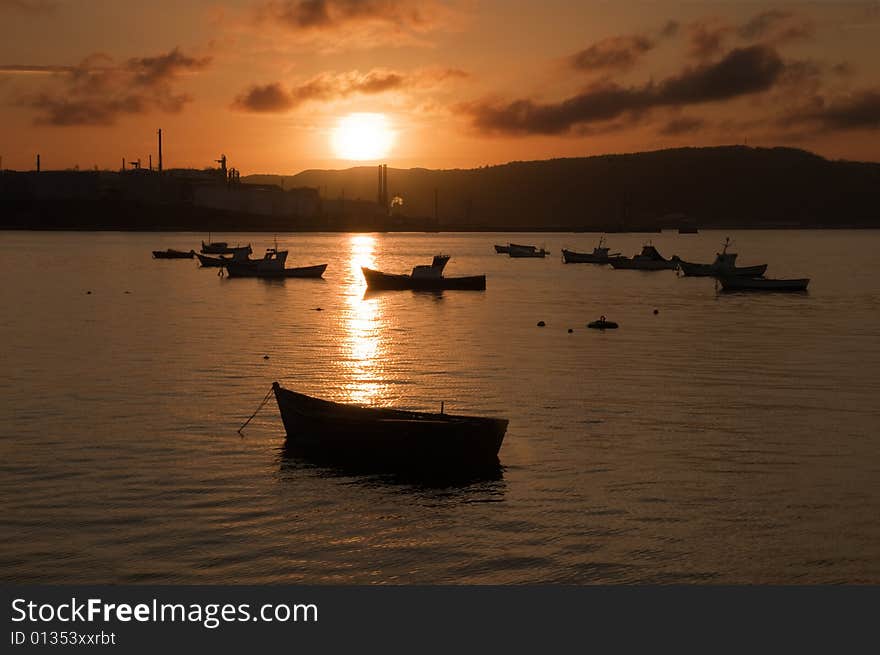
(602, 324)
(265, 356)
(128, 292)
(88, 292)
(318, 309)
(541, 324)
(570, 330)
(656, 311)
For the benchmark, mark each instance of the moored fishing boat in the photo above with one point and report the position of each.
(647, 260)
(239, 256)
(600, 255)
(221, 248)
(502, 250)
(396, 438)
(724, 265)
(517, 251)
(424, 278)
(738, 283)
(272, 266)
(173, 254)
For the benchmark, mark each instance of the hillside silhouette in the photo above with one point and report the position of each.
(730, 186)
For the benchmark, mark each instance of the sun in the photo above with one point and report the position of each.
(363, 136)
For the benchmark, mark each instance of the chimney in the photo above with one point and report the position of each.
(123, 164)
(38, 163)
(385, 185)
(160, 149)
(151, 162)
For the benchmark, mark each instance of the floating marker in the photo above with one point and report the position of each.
(541, 324)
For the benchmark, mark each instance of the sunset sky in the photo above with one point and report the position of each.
(456, 83)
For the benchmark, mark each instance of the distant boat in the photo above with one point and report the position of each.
(504, 250)
(173, 254)
(724, 265)
(517, 251)
(396, 438)
(598, 256)
(272, 266)
(737, 283)
(647, 260)
(688, 230)
(424, 278)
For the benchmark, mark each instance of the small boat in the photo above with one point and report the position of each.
(220, 248)
(239, 255)
(424, 278)
(173, 254)
(647, 260)
(724, 265)
(515, 250)
(394, 438)
(602, 324)
(272, 266)
(688, 229)
(598, 256)
(506, 249)
(502, 250)
(738, 283)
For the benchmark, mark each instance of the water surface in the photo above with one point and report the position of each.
(728, 438)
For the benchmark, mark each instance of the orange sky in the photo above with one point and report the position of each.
(463, 82)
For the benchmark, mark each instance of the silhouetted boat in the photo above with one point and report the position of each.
(272, 266)
(506, 249)
(647, 260)
(392, 437)
(221, 248)
(515, 250)
(598, 256)
(239, 255)
(173, 254)
(737, 283)
(724, 265)
(687, 230)
(424, 278)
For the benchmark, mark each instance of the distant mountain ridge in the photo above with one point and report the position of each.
(726, 186)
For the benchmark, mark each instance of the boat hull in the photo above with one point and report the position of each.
(689, 269)
(253, 270)
(395, 438)
(626, 263)
(763, 284)
(172, 254)
(212, 262)
(502, 250)
(389, 282)
(572, 257)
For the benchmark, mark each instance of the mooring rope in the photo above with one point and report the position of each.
(262, 403)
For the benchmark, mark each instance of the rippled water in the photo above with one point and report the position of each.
(729, 438)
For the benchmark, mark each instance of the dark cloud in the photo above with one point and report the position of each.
(274, 98)
(613, 53)
(741, 72)
(858, 110)
(150, 71)
(707, 38)
(682, 125)
(620, 53)
(98, 92)
(338, 17)
(776, 26)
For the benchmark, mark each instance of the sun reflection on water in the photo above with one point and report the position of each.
(363, 349)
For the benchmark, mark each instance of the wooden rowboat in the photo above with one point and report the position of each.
(395, 438)
(423, 278)
(173, 254)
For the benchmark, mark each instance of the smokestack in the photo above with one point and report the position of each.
(123, 164)
(160, 149)
(151, 162)
(38, 163)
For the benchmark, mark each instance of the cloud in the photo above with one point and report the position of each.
(98, 91)
(857, 110)
(620, 53)
(362, 23)
(776, 26)
(741, 72)
(614, 53)
(706, 38)
(274, 98)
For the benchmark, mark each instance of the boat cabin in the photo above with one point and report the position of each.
(434, 270)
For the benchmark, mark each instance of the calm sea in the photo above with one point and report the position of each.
(727, 438)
